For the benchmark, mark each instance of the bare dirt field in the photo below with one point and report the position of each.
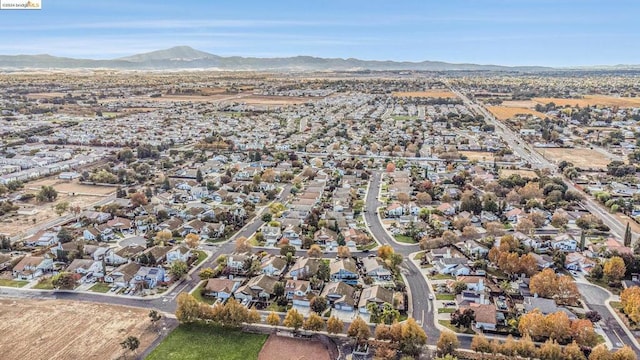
(504, 173)
(478, 155)
(581, 158)
(504, 112)
(588, 100)
(72, 187)
(49, 95)
(276, 100)
(519, 103)
(55, 329)
(284, 348)
(431, 93)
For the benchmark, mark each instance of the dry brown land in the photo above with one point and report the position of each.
(48, 95)
(592, 100)
(519, 103)
(72, 187)
(504, 112)
(55, 329)
(581, 158)
(504, 173)
(283, 348)
(431, 93)
(276, 100)
(477, 155)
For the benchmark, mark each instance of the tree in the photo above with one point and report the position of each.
(188, 308)
(525, 226)
(154, 317)
(287, 249)
(318, 304)
(423, 198)
(199, 177)
(614, 269)
(314, 323)
(550, 350)
(359, 330)
(178, 269)
(600, 352)
(481, 344)
(293, 319)
(459, 287)
(162, 237)
(64, 235)
(207, 273)
(548, 285)
(624, 353)
(583, 333)
(242, 245)
(559, 219)
(324, 271)
(314, 251)
(597, 272)
(192, 240)
(526, 347)
(47, 194)
(593, 316)
(447, 343)
(573, 352)
(254, 316)
(334, 325)
(278, 289)
(413, 337)
(131, 343)
(343, 252)
(385, 251)
(462, 318)
(64, 280)
(627, 236)
(404, 198)
(61, 207)
(391, 167)
(138, 199)
(266, 217)
(273, 319)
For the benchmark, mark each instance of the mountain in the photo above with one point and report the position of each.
(185, 57)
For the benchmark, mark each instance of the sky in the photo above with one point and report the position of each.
(505, 32)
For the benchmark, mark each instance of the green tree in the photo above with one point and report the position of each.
(154, 317)
(318, 304)
(61, 207)
(64, 280)
(131, 343)
(627, 236)
(178, 269)
(199, 177)
(47, 194)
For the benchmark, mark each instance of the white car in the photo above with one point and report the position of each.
(430, 296)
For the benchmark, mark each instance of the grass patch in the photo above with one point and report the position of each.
(369, 246)
(447, 297)
(603, 284)
(446, 310)
(419, 256)
(447, 324)
(404, 117)
(200, 341)
(616, 305)
(404, 239)
(202, 256)
(441, 277)
(44, 284)
(197, 294)
(13, 283)
(100, 288)
(275, 307)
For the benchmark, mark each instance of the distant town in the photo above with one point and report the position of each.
(368, 214)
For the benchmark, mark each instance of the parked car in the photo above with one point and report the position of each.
(430, 296)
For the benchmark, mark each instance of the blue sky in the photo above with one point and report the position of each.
(507, 32)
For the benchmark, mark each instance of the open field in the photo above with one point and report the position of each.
(47, 95)
(276, 100)
(478, 155)
(529, 104)
(197, 341)
(588, 100)
(504, 112)
(69, 330)
(283, 348)
(581, 158)
(431, 93)
(63, 186)
(504, 173)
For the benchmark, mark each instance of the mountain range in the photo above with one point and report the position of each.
(185, 57)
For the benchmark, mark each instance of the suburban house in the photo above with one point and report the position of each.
(32, 267)
(235, 263)
(123, 274)
(453, 266)
(376, 295)
(376, 269)
(344, 270)
(121, 256)
(273, 265)
(42, 238)
(259, 288)
(220, 288)
(179, 253)
(91, 270)
(298, 291)
(339, 295)
(474, 283)
(304, 268)
(271, 234)
(485, 316)
(564, 242)
(149, 276)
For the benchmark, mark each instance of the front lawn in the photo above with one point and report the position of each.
(13, 283)
(446, 310)
(447, 324)
(197, 294)
(202, 256)
(44, 284)
(404, 239)
(100, 288)
(446, 297)
(441, 277)
(201, 341)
